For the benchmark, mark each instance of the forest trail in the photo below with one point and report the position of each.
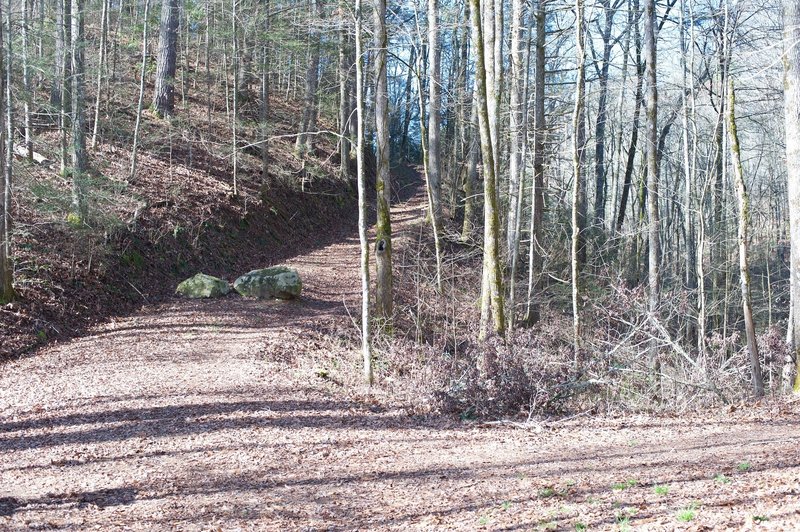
(191, 415)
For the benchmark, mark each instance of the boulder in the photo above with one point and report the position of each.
(277, 282)
(202, 285)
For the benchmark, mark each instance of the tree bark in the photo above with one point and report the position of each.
(791, 65)
(537, 192)
(140, 105)
(100, 70)
(434, 110)
(6, 265)
(302, 144)
(78, 152)
(653, 219)
(492, 287)
(383, 226)
(578, 145)
(366, 340)
(164, 96)
(743, 202)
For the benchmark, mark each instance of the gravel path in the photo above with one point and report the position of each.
(191, 415)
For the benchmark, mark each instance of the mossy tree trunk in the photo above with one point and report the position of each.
(366, 340)
(492, 291)
(743, 202)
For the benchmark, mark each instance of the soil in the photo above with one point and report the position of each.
(211, 415)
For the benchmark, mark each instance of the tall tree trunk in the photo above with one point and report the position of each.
(653, 223)
(383, 226)
(791, 65)
(631, 157)
(743, 202)
(434, 110)
(302, 144)
(344, 101)
(26, 84)
(6, 265)
(78, 152)
(65, 85)
(492, 290)
(140, 105)
(579, 140)
(366, 341)
(164, 96)
(602, 116)
(235, 97)
(264, 104)
(537, 192)
(100, 71)
(471, 179)
(516, 105)
(408, 110)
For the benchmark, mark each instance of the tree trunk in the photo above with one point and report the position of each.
(579, 140)
(6, 264)
(791, 65)
(366, 341)
(600, 125)
(628, 179)
(653, 222)
(78, 152)
(344, 101)
(743, 203)
(302, 144)
(516, 104)
(164, 97)
(492, 290)
(263, 109)
(383, 226)
(26, 84)
(537, 192)
(100, 71)
(471, 179)
(434, 110)
(140, 105)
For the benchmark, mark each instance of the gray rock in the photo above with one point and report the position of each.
(277, 282)
(202, 285)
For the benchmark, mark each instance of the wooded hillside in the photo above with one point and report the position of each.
(618, 162)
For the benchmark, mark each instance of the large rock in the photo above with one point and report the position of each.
(279, 282)
(202, 285)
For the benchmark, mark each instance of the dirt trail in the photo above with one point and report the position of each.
(190, 416)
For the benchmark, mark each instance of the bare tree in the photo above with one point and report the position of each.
(434, 110)
(140, 105)
(366, 340)
(492, 292)
(383, 227)
(653, 225)
(78, 151)
(578, 145)
(791, 38)
(743, 202)
(6, 265)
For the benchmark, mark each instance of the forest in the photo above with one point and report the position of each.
(440, 264)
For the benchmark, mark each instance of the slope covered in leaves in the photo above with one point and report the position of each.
(178, 216)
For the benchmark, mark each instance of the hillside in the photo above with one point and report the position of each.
(176, 218)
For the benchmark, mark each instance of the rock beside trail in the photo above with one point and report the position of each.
(277, 282)
(202, 285)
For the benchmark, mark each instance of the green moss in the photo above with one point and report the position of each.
(133, 259)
